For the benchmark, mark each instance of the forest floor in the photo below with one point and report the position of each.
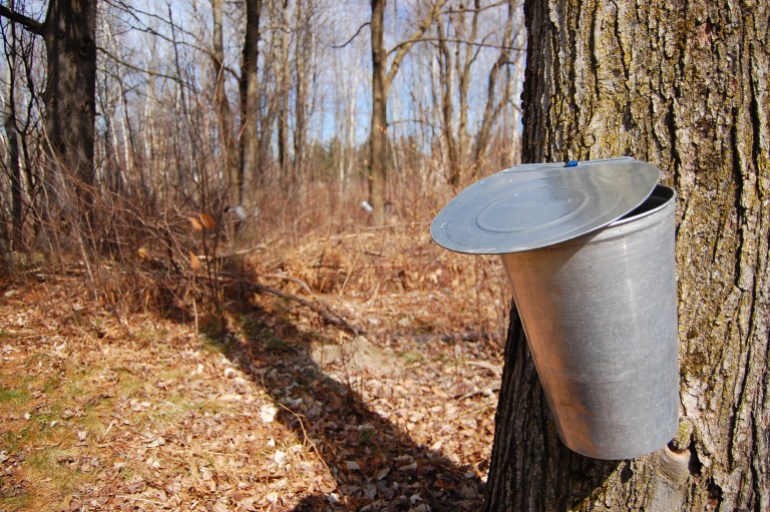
(273, 405)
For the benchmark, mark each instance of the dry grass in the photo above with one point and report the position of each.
(109, 403)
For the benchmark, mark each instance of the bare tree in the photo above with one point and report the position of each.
(382, 78)
(460, 43)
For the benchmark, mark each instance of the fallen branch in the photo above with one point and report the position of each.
(327, 314)
(488, 366)
(224, 256)
(300, 282)
(475, 392)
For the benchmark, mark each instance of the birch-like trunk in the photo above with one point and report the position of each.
(684, 85)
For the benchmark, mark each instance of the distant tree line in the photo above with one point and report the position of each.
(203, 104)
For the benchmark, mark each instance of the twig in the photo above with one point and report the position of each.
(307, 437)
(295, 280)
(343, 45)
(488, 366)
(478, 392)
(137, 498)
(239, 252)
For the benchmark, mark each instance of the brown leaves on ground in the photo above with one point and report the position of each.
(268, 408)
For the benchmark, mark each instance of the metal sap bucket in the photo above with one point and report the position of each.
(595, 289)
(599, 312)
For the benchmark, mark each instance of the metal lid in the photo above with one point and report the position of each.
(535, 205)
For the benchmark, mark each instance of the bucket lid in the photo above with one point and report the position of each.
(535, 205)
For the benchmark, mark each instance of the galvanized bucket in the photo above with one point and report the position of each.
(599, 312)
(589, 250)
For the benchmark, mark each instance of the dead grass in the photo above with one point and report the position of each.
(268, 407)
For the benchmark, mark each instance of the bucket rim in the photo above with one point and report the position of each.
(533, 206)
(645, 210)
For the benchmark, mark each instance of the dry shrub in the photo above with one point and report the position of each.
(394, 277)
(140, 254)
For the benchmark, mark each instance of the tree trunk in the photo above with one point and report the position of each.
(249, 98)
(222, 105)
(14, 156)
(447, 80)
(303, 70)
(683, 85)
(70, 97)
(283, 86)
(378, 138)
(382, 78)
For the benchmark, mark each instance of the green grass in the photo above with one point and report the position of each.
(13, 396)
(411, 356)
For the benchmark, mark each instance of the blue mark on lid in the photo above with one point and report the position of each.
(571, 163)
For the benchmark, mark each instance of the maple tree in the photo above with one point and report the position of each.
(681, 85)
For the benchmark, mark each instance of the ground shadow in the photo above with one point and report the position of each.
(391, 472)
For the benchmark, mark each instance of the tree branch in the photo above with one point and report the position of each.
(343, 45)
(138, 69)
(459, 41)
(33, 26)
(404, 47)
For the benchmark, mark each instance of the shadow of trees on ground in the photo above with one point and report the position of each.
(375, 464)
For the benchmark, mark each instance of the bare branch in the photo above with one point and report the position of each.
(460, 41)
(343, 45)
(463, 10)
(33, 26)
(403, 48)
(142, 70)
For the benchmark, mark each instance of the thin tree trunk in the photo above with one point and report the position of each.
(14, 157)
(303, 57)
(14, 165)
(283, 86)
(222, 104)
(447, 83)
(249, 99)
(379, 130)
(684, 86)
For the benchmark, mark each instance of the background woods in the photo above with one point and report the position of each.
(265, 104)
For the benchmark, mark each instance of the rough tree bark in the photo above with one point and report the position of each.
(682, 84)
(69, 32)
